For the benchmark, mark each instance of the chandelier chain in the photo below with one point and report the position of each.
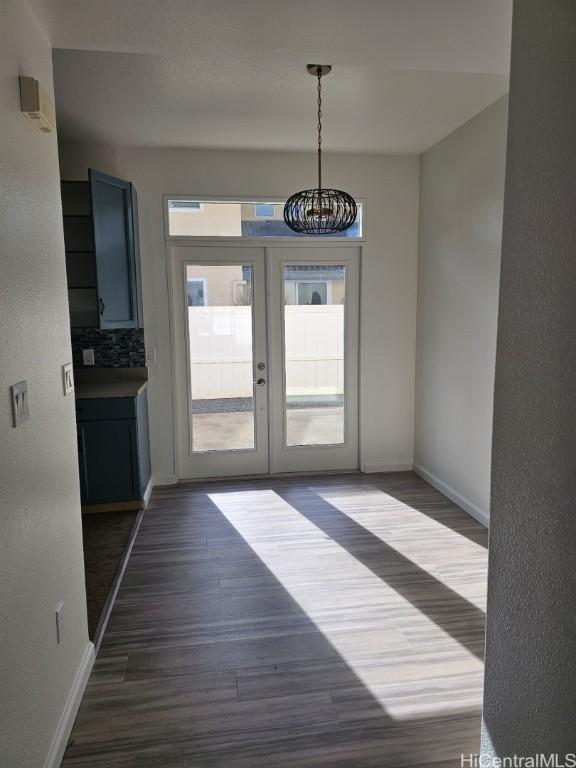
(319, 128)
(320, 211)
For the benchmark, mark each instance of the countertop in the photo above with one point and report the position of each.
(109, 382)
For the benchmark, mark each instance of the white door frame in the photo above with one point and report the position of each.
(297, 461)
(233, 462)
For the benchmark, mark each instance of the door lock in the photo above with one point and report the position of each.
(261, 366)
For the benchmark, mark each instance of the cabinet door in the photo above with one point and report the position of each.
(82, 464)
(115, 251)
(108, 452)
(136, 235)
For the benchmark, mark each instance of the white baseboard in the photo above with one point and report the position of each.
(163, 480)
(68, 716)
(472, 509)
(370, 467)
(148, 493)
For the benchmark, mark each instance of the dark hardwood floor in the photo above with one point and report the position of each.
(316, 621)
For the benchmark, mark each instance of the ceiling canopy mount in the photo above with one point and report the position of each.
(318, 69)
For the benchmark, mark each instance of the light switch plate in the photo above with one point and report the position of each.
(88, 356)
(20, 408)
(68, 379)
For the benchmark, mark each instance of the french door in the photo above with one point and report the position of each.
(220, 361)
(265, 358)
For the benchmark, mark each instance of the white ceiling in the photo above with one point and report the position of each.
(231, 73)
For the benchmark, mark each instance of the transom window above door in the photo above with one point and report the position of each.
(247, 219)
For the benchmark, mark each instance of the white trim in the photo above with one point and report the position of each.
(148, 492)
(64, 728)
(173, 397)
(370, 467)
(261, 242)
(163, 480)
(266, 476)
(247, 461)
(361, 353)
(188, 367)
(472, 509)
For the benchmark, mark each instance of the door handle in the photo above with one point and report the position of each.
(260, 382)
(102, 307)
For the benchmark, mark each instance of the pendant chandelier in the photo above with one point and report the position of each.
(320, 211)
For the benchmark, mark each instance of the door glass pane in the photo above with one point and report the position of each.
(219, 299)
(314, 301)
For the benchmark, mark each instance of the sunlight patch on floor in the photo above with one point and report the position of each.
(376, 631)
(430, 545)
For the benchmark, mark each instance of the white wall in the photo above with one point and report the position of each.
(40, 529)
(388, 300)
(461, 203)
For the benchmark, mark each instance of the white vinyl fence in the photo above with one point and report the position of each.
(221, 350)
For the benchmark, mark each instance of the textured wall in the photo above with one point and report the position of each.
(41, 560)
(530, 695)
(461, 204)
(388, 290)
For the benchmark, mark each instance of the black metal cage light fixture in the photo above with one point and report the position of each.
(320, 211)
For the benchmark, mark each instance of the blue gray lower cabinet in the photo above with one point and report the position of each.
(113, 448)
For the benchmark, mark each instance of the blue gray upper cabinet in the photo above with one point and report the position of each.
(113, 222)
(102, 252)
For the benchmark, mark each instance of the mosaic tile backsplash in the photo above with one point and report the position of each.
(122, 348)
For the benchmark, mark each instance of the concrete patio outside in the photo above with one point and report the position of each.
(234, 430)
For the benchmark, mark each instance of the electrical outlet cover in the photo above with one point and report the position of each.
(20, 408)
(68, 379)
(88, 356)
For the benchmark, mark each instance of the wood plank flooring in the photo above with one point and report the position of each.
(305, 622)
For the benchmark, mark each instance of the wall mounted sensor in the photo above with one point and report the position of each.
(36, 105)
